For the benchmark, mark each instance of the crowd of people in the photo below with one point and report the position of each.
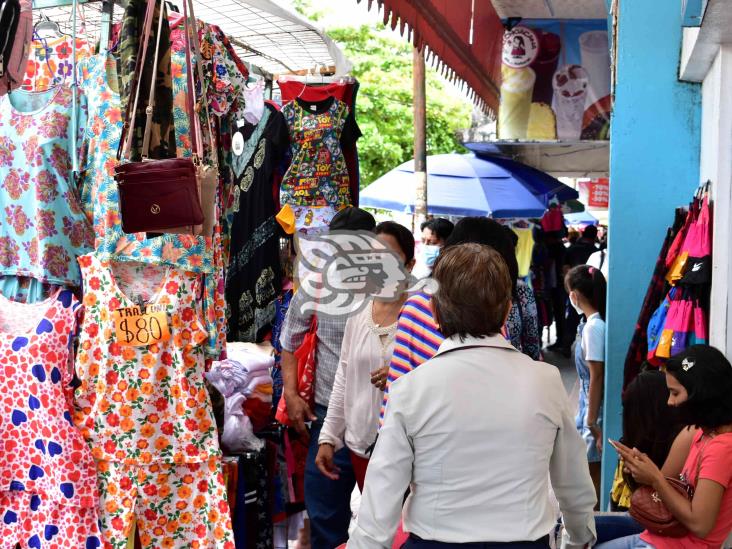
(438, 407)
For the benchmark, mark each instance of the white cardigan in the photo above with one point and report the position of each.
(353, 410)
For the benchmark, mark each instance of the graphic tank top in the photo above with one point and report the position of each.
(142, 397)
(41, 452)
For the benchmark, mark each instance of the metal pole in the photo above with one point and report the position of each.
(420, 138)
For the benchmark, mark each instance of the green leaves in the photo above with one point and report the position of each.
(383, 66)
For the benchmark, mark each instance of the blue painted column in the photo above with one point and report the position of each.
(654, 168)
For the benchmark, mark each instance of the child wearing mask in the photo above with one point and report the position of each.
(587, 291)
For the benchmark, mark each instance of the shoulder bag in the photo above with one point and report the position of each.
(161, 196)
(649, 510)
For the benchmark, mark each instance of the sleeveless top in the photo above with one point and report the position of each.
(41, 452)
(143, 404)
(318, 175)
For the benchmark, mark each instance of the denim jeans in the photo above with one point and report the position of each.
(613, 526)
(328, 502)
(627, 542)
(416, 543)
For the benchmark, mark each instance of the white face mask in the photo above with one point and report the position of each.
(575, 305)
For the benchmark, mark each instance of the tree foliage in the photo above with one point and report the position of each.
(384, 107)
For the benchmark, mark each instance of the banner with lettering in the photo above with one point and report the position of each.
(555, 81)
(595, 194)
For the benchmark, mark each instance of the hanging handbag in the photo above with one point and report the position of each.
(164, 196)
(649, 510)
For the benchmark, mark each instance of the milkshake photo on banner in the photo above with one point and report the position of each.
(555, 81)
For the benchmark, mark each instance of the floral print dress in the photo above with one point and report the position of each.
(50, 62)
(100, 200)
(44, 228)
(144, 409)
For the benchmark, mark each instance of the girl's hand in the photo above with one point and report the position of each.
(639, 465)
(597, 433)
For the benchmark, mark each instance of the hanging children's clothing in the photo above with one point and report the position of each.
(317, 176)
(48, 490)
(50, 62)
(44, 229)
(143, 406)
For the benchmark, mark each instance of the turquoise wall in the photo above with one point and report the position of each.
(654, 168)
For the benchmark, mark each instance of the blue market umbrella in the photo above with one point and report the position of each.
(457, 184)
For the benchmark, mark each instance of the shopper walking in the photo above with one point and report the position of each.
(418, 336)
(700, 383)
(358, 390)
(587, 295)
(476, 431)
(327, 501)
(523, 321)
(435, 233)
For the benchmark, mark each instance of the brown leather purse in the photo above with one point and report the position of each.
(649, 510)
(166, 196)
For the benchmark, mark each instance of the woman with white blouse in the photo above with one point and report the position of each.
(358, 389)
(476, 432)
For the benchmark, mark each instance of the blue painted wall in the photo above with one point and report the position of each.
(654, 167)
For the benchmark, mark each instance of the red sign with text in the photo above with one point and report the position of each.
(597, 193)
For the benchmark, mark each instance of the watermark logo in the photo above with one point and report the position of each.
(341, 271)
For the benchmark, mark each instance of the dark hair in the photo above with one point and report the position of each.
(590, 282)
(706, 375)
(401, 234)
(483, 230)
(425, 225)
(441, 227)
(590, 232)
(474, 291)
(649, 423)
(352, 219)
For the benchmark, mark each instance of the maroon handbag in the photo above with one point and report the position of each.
(163, 196)
(649, 510)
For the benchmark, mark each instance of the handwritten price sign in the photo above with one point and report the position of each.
(141, 326)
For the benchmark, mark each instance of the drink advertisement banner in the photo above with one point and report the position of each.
(555, 81)
(595, 193)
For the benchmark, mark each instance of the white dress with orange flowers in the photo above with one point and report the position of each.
(144, 409)
(146, 403)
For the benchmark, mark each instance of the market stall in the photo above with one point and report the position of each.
(151, 189)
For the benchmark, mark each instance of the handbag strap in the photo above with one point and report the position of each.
(193, 44)
(699, 461)
(128, 130)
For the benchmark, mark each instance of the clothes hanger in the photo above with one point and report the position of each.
(45, 24)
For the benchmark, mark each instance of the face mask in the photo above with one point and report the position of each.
(575, 306)
(430, 253)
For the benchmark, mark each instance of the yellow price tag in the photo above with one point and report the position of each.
(141, 326)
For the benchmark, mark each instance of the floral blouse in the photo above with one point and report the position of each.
(523, 322)
(146, 403)
(44, 228)
(50, 62)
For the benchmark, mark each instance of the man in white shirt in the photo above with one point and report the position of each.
(476, 432)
